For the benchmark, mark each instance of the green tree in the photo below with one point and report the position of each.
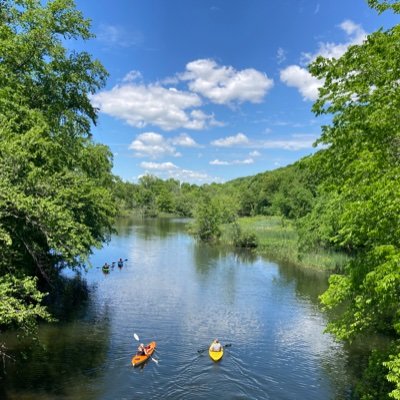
(207, 219)
(362, 167)
(55, 198)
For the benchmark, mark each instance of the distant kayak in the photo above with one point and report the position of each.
(215, 355)
(140, 359)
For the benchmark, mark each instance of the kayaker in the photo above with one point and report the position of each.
(216, 345)
(141, 350)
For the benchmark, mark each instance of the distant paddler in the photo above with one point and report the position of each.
(106, 268)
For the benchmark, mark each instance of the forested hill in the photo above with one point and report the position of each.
(288, 191)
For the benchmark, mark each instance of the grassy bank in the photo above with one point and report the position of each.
(277, 238)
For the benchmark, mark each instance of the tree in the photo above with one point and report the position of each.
(207, 220)
(55, 198)
(362, 167)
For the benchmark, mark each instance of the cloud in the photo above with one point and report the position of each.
(169, 170)
(184, 140)
(166, 166)
(112, 36)
(234, 162)
(169, 108)
(132, 76)
(255, 153)
(356, 35)
(141, 105)
(280, 55)
(153, 145)
(225, 85)
(230, 141)
(296, 142)
(299, 77)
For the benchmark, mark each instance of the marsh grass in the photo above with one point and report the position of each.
(277, 238)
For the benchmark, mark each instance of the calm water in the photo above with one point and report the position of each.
(183, 294)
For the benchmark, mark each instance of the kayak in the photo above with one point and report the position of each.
(140, 359)
(215, 355)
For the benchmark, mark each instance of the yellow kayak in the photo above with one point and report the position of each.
(140, 359)
(215, 355)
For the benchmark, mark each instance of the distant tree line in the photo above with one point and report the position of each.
(288, 191)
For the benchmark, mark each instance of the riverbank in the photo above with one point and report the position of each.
(277, 238)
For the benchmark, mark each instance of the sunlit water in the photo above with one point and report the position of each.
(183, 294)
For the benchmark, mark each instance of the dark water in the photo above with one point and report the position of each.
(183, 294)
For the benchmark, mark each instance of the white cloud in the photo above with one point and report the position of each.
(300, 78)
(141, 105)
(184, 140)
(187, 175)
(255, 153)
(356, 35)
(112, 36)
(166, 166)
(281, 55)
(225, 85)
(229, 141)
(218, 162)
(169, 170)
(234, 162)
(152, 145)
(296, 142)
(132, 76)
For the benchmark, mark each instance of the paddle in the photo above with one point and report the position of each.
(203, 350)
(135, 335)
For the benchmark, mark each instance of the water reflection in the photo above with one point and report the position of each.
(182, 294)
(308, 283)
(61, 364)
(148, 228)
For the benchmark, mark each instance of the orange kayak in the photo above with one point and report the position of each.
(140, 359)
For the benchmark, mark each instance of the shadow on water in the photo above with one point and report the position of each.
(308, 283)
(59, 364)
(146, 228)
(207, 256)
(70, 297)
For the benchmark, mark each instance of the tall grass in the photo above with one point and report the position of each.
(277, 238)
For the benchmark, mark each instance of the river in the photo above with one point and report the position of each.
(183, 294)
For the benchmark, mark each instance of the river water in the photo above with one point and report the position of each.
(182, 294)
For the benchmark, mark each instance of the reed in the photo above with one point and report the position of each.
(277, 238)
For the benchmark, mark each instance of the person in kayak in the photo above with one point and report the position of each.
(141, 350)
(216, 345)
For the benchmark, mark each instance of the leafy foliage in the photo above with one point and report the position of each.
(207, 220)
(55, 198)
(358, 205)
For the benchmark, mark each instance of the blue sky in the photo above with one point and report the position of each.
(210, 90)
